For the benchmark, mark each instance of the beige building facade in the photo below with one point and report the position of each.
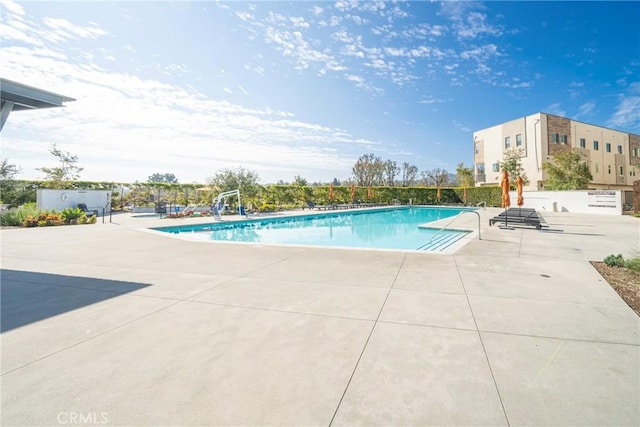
(613, 156)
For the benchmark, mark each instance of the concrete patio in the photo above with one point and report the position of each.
(108, 324)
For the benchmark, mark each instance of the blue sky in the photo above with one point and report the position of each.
(305, 88)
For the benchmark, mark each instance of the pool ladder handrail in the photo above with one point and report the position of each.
(454, 218)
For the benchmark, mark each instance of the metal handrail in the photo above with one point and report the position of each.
(482, 203)
(454, 218)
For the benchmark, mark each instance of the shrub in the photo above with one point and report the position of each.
(70, 214)
(30, 221)
(633, 264)
(26, 211)
(82, 219)
(92, 220)
(267, 207)
(10, 218)
(614, 260)
(53, 219)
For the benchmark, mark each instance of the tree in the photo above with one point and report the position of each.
(567, 170)
(437, 177)
(236, 179)
(390, 170)
(163, 177)
(409, 174)
(8, 170)
(513, 165)
(68, 170)
(464, 176)
(8, 173)
(368, 170)
(298, 180)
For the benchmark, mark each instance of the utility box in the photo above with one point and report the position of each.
(99, 200)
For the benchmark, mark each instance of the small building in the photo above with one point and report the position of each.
(95, 200)
(613, 156)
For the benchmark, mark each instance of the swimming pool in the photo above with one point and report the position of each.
(386, 228)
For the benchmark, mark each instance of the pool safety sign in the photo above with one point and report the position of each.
(602, 199)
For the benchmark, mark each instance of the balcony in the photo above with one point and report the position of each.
(481, 177)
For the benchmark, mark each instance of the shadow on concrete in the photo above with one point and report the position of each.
(27, 297)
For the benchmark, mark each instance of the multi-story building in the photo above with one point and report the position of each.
(613, 156)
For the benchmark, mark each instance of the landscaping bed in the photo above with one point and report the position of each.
(624, 281)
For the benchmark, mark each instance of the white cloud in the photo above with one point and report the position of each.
(62, 29)
(292, 44)
(555, 109)
(429, 100)
(12, 7)
(585, 109)
(361, 83)
(460, 126)
(515, 83)
(125, 127)
(627, 114)
(474, 25)
(299, 22)
(481, 53)
(245, 16)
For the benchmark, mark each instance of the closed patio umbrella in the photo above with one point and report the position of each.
(464, 195)
(370, 193)
(506, 201)
(438, 194)
(353, 193)
(519, 190)
(331, 193)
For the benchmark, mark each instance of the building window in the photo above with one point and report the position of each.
(555, 138)
(480, 168)
(596, 168)
(619, 149)
(634, 152)
(609, 169)
(496, 167)
(595, 145)
(607, 147)
(507, 142)
(621, 171)
(563, 139)
(518, 140)
(477, 149)
(583, 143)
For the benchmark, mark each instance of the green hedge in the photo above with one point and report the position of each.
(286, 195)
(269, 197)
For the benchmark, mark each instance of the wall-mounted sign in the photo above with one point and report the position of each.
(602, 199)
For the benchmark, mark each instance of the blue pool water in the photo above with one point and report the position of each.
(388, 228)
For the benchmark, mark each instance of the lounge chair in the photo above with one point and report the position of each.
(520, 216)
(87, 211)
(312, 205)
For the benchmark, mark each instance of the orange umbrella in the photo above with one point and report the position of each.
(353, 192)
(370, 193)
(464, 195)
(519, 190)
(506, 201)
(331, 192)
